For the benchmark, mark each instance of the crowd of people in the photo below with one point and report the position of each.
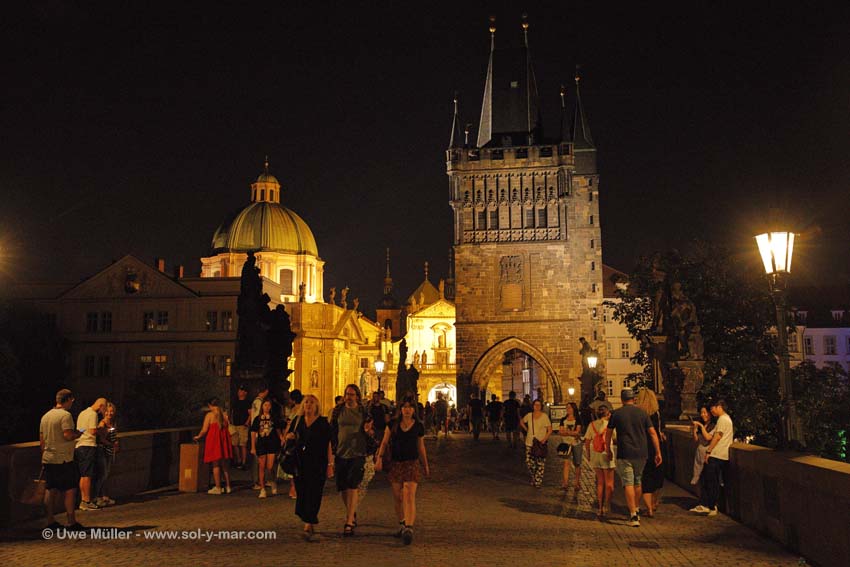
(295, 442)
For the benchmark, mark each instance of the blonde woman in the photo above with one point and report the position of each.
(218, 449)
(106, 448)
(312, 435)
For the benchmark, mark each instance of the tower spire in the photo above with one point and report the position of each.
(485, 125)
(426, 270)
(455, 140)
(388, 280)
(565, 117)
(580, 129)
(266, 165)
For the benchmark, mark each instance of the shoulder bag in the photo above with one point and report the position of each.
(538, 449)
(290, 461)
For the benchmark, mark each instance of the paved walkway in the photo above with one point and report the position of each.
(477, 509)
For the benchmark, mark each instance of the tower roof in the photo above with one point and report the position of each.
(426, 293)
(580, 129)
(457, 139)
(510, 110)
(388, 301)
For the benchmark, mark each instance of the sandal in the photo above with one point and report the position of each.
(400, 531)
(348, 530)
(308, 534)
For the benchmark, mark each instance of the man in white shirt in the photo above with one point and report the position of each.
(86, 452)
(57, 436)
(716, 460)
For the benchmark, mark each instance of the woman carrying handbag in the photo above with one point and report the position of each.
(538, 428)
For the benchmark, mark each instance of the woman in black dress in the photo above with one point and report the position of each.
(312, 434)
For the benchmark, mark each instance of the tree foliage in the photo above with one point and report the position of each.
(823, 404)
(177, 399)
(735, 315)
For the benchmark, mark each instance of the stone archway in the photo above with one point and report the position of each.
(495, 354)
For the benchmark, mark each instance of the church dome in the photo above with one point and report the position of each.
(267, 178)
(265, 226)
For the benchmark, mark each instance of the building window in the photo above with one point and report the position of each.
(529, 218)
(593, 288)
(829, 345)
(624, 350)
(837, 316)
(225, 366)
(226, 320)
(106, 322)
(591, 219)
(593, 266)
(494, 219)
(286, 285)
(364, 363)
(541, 218)
(148, 321)
(802, 316)
(594, 313)
(153, 364)
(809, 346)
(162, 320)
(91, 322)
(610, 388)
(792, 343)
(212, 321)
(592, 244)
(104, 366)
(609, 349)
(595, 335)
(88, 366)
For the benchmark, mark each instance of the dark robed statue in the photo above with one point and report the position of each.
(263, 337)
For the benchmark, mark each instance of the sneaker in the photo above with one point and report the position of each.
(407, 535)
(227, 490)
(274, 489)
(214, 490)
(713, 511)
(89, 506)
(634, 521)
(256, 487)
(263, 493)
(108, 501)
(699, 509)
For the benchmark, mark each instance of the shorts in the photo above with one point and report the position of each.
(511, 425)
(630, 470)
(239, 435)
(349, 473)
(86, 459)
(404, 471)
(61, 476)
(575, 454)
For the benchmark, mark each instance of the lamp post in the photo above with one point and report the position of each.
(776, 250)
(379, 368)
(571, 391)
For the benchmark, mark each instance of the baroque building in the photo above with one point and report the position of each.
(527, 238)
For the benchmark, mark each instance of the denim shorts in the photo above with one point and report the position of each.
(576, 456)
(630, 470)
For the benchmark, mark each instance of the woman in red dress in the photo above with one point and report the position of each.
(217, 447)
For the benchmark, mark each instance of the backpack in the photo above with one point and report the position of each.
(598, 439)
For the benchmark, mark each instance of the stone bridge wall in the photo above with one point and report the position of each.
(799, 500)
(146, 460)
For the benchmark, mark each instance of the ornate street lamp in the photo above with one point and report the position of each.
(592, 359)
(379, 368)
(571, 391)
(776, 250)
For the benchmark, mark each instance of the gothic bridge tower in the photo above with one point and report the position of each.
(527, 238)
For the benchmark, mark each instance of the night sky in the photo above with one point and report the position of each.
(135, 127)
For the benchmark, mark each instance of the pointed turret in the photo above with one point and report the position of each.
(510, 110)
(458, 138)
(450, 279)
(585, 150)
(580, 129)
(388, 313)
(565, 137)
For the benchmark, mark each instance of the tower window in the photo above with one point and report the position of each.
(590, 196)
(593, 288)
(529, 218)
(541, 217)
(592, 243)
(494, 219)
(262, 194)
(591, 219)
(593, 266)
(482, 220)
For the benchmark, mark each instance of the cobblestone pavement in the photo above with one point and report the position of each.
(476, 509)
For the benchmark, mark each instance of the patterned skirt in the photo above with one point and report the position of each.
(404, 471)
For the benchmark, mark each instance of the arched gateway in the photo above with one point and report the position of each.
(493, 358)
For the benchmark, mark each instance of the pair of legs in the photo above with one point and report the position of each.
(651, 501)
(265, 472)
(476, 428)
(404, 499)
(217, 468)
(494, 429)
(104, 465)
(710, 481)
(536, 467)
(604, 489)
(85, 488)
(350, 499)
(573, 461)
(69, 499)
(512, 434)
(241, 454)
(630, 471)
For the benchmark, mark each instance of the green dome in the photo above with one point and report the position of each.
(267, 178)
(267, 227)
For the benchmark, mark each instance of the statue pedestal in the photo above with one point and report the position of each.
(693, 376)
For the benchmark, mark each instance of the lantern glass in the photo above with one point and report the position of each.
(592, 360)
(379, 366)
(776, 250)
